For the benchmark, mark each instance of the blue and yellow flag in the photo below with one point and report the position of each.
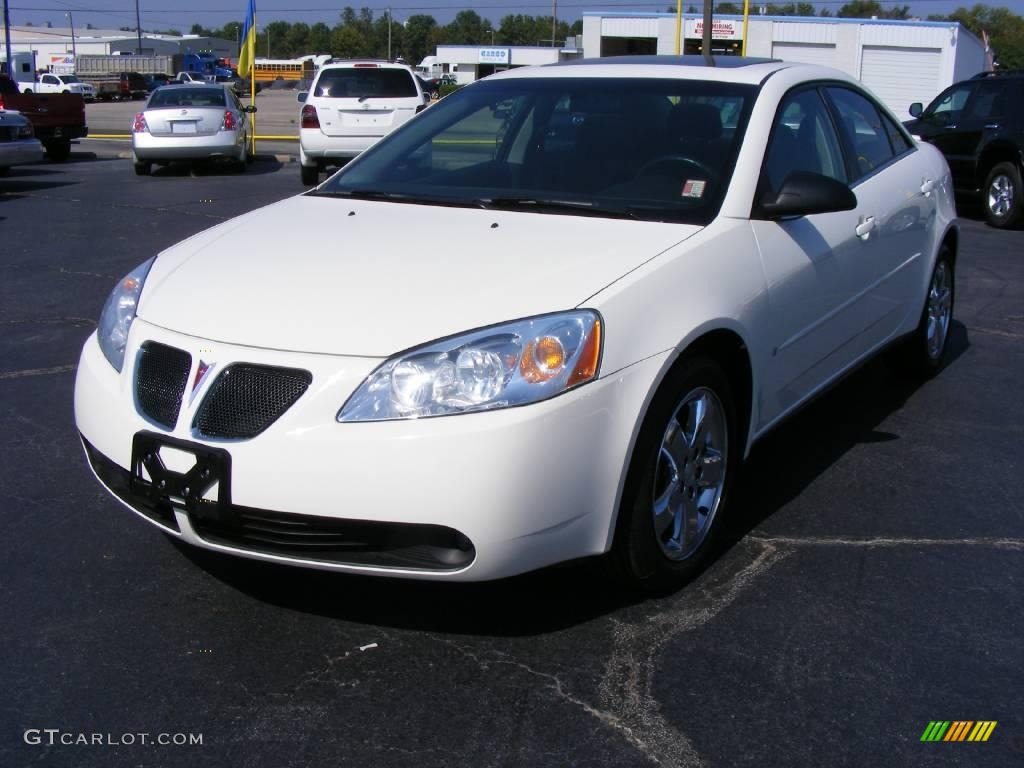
(247, 53)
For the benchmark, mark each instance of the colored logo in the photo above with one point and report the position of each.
(958, 730)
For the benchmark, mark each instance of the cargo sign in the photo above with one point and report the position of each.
(495, 55)
(721, 29)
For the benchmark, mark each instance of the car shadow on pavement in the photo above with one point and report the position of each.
(555, 598)
(202, 169)
(787, 460)
(20, 184)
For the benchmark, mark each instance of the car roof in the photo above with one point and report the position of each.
(731, 69)
(364, 64)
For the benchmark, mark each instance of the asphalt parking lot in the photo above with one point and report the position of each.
(872, 584)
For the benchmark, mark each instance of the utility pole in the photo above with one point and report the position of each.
(74, 50)
(138, 27)
(554, 21)
(7, 39)
(389, 34)
(709, 60)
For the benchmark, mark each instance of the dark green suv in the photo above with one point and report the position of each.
(978, 124)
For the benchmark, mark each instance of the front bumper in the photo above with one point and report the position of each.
(20, 152)
(470, 497)
(187, 147)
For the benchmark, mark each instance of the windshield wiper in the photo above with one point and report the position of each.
(393, 197)
(579, 207)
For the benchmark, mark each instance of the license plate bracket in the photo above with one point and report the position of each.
(182, 490)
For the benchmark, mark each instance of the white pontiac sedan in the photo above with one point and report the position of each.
(638, 267)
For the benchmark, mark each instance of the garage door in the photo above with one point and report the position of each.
(901, 76)
(806, 53)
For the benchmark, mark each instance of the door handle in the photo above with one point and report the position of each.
(992, 126)
(863, 229)
(950, 127)
(927, 187)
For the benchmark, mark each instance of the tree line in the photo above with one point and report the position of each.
(364, 34)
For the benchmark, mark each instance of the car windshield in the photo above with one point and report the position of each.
(187, 97)
(365, 83)
(653, 149)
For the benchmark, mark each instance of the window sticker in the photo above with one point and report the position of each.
(694, 188)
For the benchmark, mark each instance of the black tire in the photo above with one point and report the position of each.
(921, 354)
(27, 90)
(142, 169)
(58, 151)
(1003, 196)
(310, 174)
(640, 558)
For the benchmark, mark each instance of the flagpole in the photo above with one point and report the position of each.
(252, 87)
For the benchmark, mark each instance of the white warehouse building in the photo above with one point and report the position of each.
(900, 61)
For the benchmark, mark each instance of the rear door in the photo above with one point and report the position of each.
(896, 203)
(364, 100)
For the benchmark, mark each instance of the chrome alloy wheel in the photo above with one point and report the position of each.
(940, 309)
(1000, 195)
(690, 473)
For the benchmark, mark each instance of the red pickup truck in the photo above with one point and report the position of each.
(56, 118)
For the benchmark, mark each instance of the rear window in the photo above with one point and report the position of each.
(353, 83)
(183, 96)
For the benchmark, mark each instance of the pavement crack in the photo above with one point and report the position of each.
(51, 321)
(881, 541)
(37, 372)
(66, 271)
(627, 696)
(627, 688)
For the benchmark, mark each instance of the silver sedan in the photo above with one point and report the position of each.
(191, 122)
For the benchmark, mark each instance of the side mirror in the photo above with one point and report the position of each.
(803, 194)
(301, 96)
(916, 109)
(250, 108)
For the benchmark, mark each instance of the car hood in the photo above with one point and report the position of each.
(362, 278)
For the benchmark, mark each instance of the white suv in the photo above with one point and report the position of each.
(352, 105)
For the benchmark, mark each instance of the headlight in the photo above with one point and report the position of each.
(118, 313)
(498, 367)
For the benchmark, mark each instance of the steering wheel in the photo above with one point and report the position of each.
(648, 168)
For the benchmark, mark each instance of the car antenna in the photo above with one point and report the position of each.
(705, 46)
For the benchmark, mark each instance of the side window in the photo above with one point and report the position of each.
(49, 79)
(948, 106)
(861, 126)
(988, 102)
(803, 139)
(898, 139)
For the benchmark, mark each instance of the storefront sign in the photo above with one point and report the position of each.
(495, 55)
(721, 29)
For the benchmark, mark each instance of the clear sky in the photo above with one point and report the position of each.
(182, 14)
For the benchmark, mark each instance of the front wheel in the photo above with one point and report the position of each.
(1004, 196)
(680, 479)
